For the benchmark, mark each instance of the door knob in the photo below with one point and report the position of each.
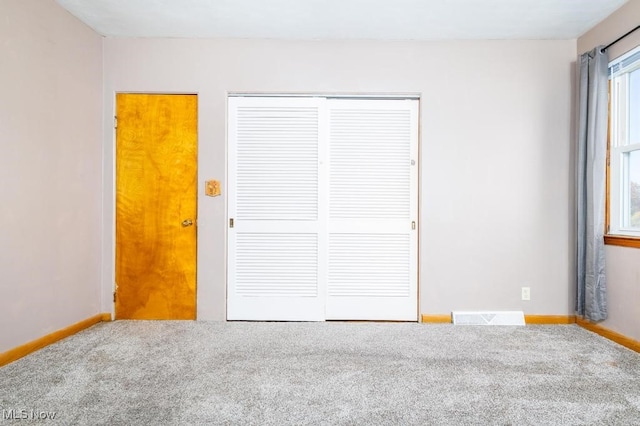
(187, 222)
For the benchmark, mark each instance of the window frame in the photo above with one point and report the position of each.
(618, 132)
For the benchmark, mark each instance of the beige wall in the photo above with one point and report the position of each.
(50, 170)
(618, 23)
(623, 264)
(495, 159)
(623, 297)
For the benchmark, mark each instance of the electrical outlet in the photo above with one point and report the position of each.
(526, 293)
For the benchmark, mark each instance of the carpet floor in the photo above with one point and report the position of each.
(171, 372)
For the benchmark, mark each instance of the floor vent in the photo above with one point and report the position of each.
(488, 318)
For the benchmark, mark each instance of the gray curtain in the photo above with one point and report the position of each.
(591, 172)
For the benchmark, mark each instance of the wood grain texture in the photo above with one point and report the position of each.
(621, 240)
(529, 319)
(24, 350)
(156, 189)
(607, 180)
(439, 318)
(609, 334)
(549, 319)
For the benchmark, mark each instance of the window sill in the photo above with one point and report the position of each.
(622, 240)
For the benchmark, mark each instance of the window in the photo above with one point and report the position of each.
(624, 149)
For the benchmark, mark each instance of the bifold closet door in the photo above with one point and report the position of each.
(275, 245)
(373, 210)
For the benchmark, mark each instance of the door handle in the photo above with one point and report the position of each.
(187, 222)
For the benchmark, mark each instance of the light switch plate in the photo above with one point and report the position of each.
(212, 188)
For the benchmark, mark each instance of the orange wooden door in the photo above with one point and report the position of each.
(156, 197)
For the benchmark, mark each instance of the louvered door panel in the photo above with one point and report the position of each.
(369, 265)
(270, 264)
(274, 248)
(277, 163)
(370, 157)
(372, 260)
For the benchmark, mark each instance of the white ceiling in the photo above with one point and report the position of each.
(344, 19)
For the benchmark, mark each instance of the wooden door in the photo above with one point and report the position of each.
(156, 200)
